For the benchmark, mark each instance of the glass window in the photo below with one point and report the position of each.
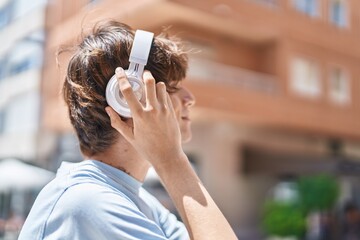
(21, 7)
(305, 78)
(338, 12)
(21, 66)
(5, 14)
(2, 119)
(310, 7)
(27, 54)
(22, 114)
(339, 86)
(2, 69)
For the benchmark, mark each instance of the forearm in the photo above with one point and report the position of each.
(199, 212)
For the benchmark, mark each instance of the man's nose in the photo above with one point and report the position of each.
(188, 98)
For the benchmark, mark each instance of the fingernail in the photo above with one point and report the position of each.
(147, 74)
(119, 71)
(107, 111)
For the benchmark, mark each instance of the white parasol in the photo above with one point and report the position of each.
(17, 175)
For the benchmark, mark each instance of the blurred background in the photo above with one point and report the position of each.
(276, 123)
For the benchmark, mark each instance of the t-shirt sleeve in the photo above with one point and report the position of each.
(99, 213)
(170, 225)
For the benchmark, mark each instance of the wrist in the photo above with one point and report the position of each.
(171, 162)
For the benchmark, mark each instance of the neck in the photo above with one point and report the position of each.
(123, 156)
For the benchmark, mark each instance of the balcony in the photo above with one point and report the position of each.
(207, 71)
(267, 3)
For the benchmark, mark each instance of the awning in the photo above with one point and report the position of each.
(16, 175)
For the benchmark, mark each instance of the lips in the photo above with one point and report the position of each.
(185, 115)
(186, 118)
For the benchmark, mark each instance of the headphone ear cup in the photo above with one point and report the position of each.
(138, 59)
(116, 100)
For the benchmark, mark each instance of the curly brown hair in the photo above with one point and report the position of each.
(91, 67)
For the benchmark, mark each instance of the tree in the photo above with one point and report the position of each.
(283, 219)
(318, 193)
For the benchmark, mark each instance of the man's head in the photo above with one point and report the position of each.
(91, 67)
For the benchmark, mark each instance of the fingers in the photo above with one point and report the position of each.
(156, 95)
(161, 93)
(126, 90)
(150, 89)
(169, 102)
(118, 124)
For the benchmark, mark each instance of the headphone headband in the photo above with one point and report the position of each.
(141, 47)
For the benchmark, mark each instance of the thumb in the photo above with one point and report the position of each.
(119, 124)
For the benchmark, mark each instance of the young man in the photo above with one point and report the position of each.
(101, 197)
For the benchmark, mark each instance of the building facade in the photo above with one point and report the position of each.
(22, 39)
(276, 82)
(22, 34)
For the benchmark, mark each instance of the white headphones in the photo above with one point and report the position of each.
(138, 58)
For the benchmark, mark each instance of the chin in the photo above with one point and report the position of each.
(186, 136)
(185, 130)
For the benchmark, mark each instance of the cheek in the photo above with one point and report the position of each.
(176, 103)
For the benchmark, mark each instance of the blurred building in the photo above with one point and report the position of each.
(276, 82)
(22, 36)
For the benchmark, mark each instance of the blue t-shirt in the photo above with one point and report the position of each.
(92, 200)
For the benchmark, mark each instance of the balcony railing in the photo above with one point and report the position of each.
(267, 3)
(210, 71)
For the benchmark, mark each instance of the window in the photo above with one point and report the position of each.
(2, 69)
(310, 7)
(339, 86)
(5, 14)
(21, 66)
(22, 114)
(2, 119)
(22, 7)
(305, 78)
(338, 13)
(27, 54)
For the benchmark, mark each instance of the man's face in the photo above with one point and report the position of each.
(182, 100)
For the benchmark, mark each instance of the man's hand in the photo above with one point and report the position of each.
(155, 133)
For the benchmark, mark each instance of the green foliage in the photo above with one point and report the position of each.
(318, 193)
(283, 220)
